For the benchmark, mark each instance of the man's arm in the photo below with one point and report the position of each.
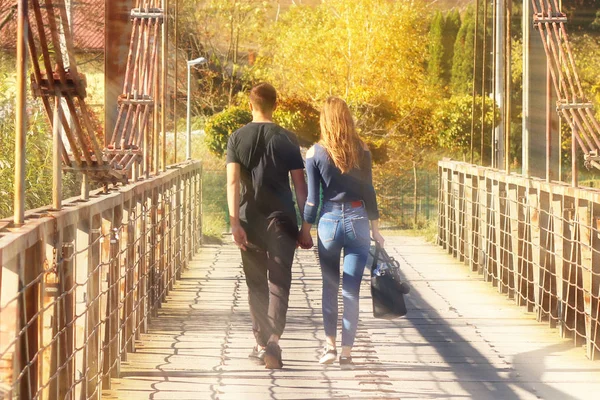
(233, 202)
(304, 238)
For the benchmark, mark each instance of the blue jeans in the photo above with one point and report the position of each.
(342, 226)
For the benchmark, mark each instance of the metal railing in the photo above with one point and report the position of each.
(536, 241)
(78, 286)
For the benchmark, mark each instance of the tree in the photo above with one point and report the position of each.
(453, 122)
(229, 32)
(451, 28)
(294, 115)
(461, 81)
(38, 164)
(220, 126)
(436, 50)
(371, 53)
(300, 117)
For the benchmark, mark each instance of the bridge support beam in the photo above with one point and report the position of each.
(118, 32)
(537, 92)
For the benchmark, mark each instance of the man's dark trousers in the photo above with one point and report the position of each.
(268, 271)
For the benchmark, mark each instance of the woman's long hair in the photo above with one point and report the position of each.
(338, 135)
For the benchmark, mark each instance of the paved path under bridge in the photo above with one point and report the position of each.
(461, 339)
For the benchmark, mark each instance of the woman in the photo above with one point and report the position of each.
(341, 164)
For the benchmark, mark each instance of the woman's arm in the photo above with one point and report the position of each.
(375, 232)
(371, 202)
(368, 194)
(314, 180)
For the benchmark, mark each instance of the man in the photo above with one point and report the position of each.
(260, 157)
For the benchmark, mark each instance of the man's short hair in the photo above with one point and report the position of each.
(263, 97)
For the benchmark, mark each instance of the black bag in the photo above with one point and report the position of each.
(387, 289)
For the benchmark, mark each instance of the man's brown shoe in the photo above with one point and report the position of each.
(273, 356)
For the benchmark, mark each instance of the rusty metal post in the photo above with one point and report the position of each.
(116, 44)
(508, 84)
(473, 104)
(176, 18)
(164, 83)
(574, 172)
(56, 154)
(525, 114)
(85, 187)
(21, 118)
(548, 121)
(157, 105)
(66, 321)
(484, 46)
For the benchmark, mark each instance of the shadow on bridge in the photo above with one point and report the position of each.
(460, 340)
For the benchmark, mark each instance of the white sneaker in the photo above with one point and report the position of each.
(329, 356)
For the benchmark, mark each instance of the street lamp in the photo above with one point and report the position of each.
(190, 64)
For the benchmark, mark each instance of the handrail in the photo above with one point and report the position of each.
(536, 241)
(77, 286)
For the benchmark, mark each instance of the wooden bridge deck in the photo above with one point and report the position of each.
(460, 340)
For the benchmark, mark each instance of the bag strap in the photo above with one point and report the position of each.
(385, 257)
(375, 258)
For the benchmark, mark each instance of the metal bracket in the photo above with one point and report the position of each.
(591, 160)
(148, 13)
(569, 106)
(554, 17)
(143, 100)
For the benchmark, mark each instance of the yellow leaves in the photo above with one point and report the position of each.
(356, 49)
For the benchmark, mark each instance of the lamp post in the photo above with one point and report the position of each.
(188, 144)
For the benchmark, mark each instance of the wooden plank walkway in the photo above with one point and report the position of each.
(461, 339)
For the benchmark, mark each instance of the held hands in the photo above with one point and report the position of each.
(305, 240)
(239, 236)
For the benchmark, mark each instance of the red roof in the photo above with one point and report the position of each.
(87, 25)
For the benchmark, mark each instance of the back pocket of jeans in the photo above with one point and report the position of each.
(361, 229)
(327, 229)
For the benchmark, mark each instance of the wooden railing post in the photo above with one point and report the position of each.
(50, 291)
(114, 294)
(162, 235)
(30, 266)
(152, 251)
(494, 232)
(468, 223)
(81, 275)
(558, 223)
(594, 323)
(106, 276)
(189, 233)
(201, 205)
(515, 231)
(142, 270)
(483, 220)
(93, 322)
(66, 307)
(178, 227)
(128, 250)
(504, 242)
(171, 206)
(11, 317)
(535, 229)
(184, 231)
(585, 236)
(441, 225)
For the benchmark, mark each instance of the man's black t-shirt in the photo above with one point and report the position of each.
(266, 153)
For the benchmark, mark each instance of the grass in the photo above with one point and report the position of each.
(428, 231)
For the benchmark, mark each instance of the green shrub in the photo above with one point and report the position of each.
(220, 126)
